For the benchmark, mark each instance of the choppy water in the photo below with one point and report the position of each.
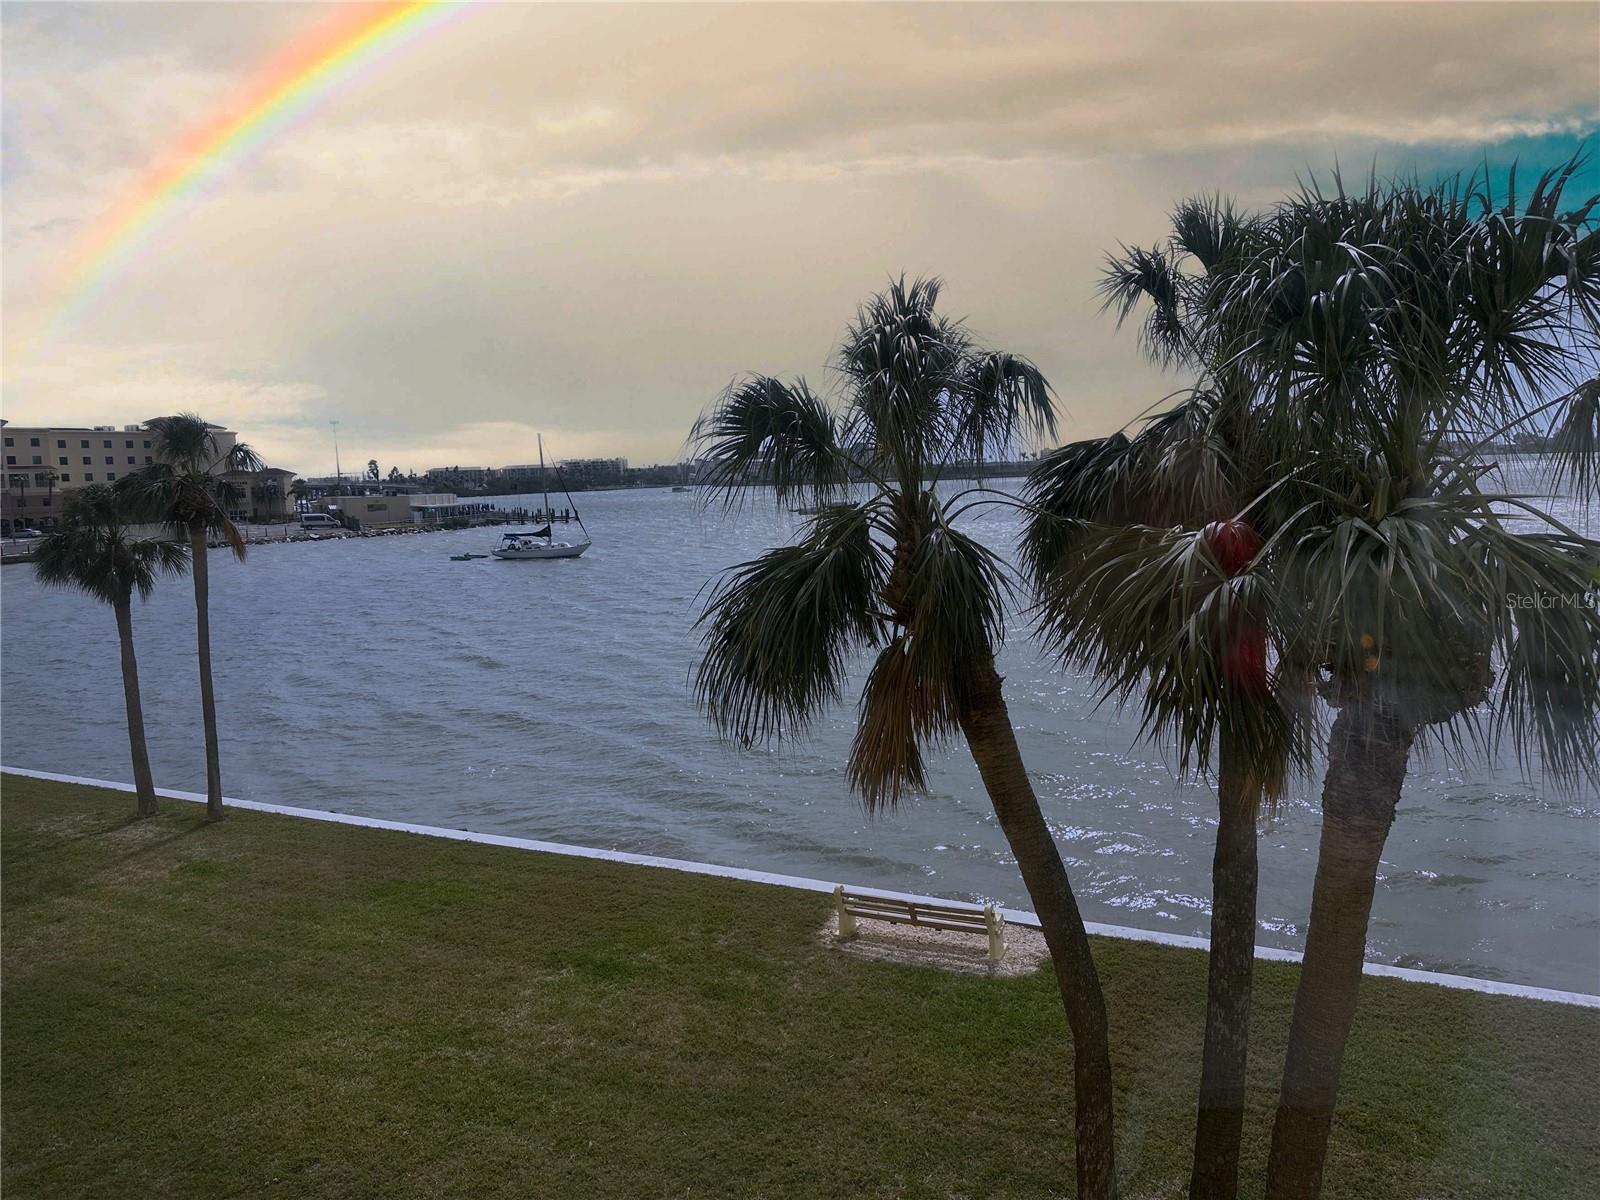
(551, 700)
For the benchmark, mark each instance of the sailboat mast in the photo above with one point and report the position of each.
(543, 482)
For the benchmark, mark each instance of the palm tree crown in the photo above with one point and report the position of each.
(184, 488)
(917, 397)
(93, 551)
(1356, 351)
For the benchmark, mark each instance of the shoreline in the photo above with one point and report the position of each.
(804, 883)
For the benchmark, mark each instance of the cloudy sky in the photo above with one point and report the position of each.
(586, 219)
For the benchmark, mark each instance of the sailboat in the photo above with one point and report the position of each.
(541, 543)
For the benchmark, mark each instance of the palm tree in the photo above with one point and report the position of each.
(891, 572)
(92, 550)
(1357, 354)
(1397, 331)
(184, 490)
(1140, 550)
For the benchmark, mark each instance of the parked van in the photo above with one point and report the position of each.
(318, 521)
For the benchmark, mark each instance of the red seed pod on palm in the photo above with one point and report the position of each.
(1233, 542)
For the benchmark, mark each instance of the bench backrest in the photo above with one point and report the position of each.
(925, 914)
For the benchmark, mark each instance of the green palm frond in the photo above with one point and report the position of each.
(93, 551)
(762, 432)
(1150, 277)
(780, 628)
(1436, 605)
(901, 361)
(994, 401)
(182, 500)
(1152, 614)
(1185, 467)
(1209, 229)
(1396, 317)
(242, 457)
(1576, 439)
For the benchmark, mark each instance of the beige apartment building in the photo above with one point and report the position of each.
(43, 462)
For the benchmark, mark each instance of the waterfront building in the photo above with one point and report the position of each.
(264, 496)
(422, 508)
(531, 475)
(461, 476)
(595, 471)
(44, 463)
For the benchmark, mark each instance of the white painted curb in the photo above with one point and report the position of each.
(1014, 916)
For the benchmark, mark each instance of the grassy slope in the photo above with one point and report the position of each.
(279, 1007)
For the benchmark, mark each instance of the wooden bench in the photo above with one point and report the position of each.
(958, 918)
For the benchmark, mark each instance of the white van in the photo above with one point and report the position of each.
(318, 521)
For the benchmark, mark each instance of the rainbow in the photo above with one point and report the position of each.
(284, 90)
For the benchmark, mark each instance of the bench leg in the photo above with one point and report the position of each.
(847, 921)
(996, 925)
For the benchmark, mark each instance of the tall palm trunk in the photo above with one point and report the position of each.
(1230, 971)
(987, 726)
(208, 700)
(1367, 755)
(143, 782)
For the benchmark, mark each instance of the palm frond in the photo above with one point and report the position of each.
(780, 628)
(183, 500)
(994, 401)
(1575, 443)
(947, 595)
(1152, 277)
(764, 433)
(1438, 605)
(1153, 615)
(92, 550)
(902, 361)
(900, 714)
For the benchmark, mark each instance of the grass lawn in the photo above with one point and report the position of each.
(277, 1007)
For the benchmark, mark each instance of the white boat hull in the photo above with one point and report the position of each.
(552, 550)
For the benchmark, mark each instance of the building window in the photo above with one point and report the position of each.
(107, 444)
(88, 477)
(130, 457)
(61, 443)
(110, 460)
(129, 445)
(65, 478)
(11, 460)
(111, 474)
(11, 441)
(41, 480)
(87, 461)
(63, 462)
(33, 441)
(84, 444)
(147, 458)
(147, 446)
(38, 461)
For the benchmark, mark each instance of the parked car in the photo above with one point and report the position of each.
(318, 521)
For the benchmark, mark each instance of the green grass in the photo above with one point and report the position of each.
(277, 1007)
